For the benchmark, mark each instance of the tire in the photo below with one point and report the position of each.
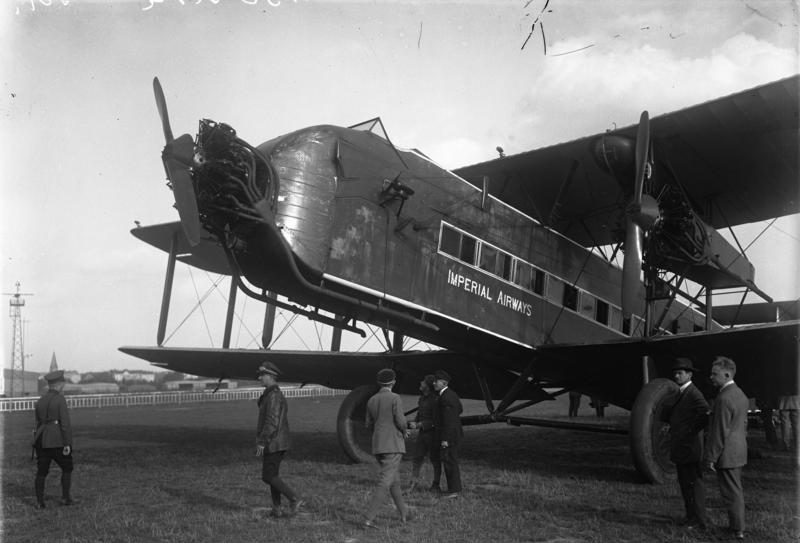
(649, 436)
(354, 438)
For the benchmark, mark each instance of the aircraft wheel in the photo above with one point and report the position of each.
(354, 437)
(649, 436)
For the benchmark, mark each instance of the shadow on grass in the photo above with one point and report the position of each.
(196, 498)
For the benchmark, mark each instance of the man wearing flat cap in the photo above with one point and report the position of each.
(52, 438)
(385, 417)
(272, 439)
(687, 416)
(449, 432)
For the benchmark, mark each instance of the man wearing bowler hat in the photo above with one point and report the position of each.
(272, 438)
(52, 438)
(687, 416)
(449, 432)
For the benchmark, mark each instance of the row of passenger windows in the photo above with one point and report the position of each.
(475, 252)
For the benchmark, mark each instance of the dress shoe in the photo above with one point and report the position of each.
(450, 495)
(435, 489)
(276, 512)
(738, 535)
(369, 525)
(67, 501)
(295, 505)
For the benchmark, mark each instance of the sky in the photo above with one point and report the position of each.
(81, 139)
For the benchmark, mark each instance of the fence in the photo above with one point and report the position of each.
(164, 398)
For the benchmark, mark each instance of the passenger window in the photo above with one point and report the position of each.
(538, 281)
(556, 290)
(570, 300)
(488, 258)
(523, 275)
(616, 319)
(588, 305)
(467, 253)
(601, 312)
(505, 266)
(450, 242)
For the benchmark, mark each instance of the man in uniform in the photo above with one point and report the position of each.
(388, 424)
(449, 432)
(52, 438)
(272, 438)
(426, 445)
(726, 442)
(687, 415)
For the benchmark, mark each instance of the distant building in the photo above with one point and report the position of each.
(197, 385)
(91, 388)
(30, 384)
(138, 376)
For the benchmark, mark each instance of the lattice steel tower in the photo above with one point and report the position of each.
(16, 304)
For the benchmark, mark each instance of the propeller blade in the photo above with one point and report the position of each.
(177, 157)
(161, 104)
(642, 148)
(631, 267)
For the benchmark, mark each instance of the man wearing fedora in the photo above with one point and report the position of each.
(385, 417)
(449, 432)
(272, 438)
(52, 438)
(687, 416)
(726, 441)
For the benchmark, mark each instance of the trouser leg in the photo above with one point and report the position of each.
(732, 493)
(387, 478)
(270, 474)
(436, 462)
(451, 469)
(42, 469)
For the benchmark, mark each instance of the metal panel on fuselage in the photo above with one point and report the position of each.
(397, 254)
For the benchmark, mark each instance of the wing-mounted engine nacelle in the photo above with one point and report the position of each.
(616, 155)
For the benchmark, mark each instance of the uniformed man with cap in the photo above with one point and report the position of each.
(687, 415)
(52, 439)
(272, 438)
(449, 432)
(385, 417)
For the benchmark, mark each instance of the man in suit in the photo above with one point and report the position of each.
(388, 424)
(726, 442)
(426, 445)
(52, 438)
(449, 432)
(687, 415)
(272, 439)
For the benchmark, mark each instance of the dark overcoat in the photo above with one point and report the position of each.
(272, 431)
(687, 418)
(448, 417)
(53, 427)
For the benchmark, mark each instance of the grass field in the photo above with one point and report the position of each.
(188, 473)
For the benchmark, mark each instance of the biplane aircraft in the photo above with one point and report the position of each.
(508, 265)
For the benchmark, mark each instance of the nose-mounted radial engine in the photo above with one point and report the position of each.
(236, 185)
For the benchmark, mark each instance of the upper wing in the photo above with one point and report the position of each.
(766, 358)
(206, 255)
(736, 156)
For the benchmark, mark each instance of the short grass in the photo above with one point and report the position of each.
(188, 473)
